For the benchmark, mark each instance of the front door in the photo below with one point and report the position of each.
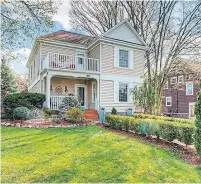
(81, 94)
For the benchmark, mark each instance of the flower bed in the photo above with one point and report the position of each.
(168, 130)
(41, 123)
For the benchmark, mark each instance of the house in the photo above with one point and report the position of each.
(180, 90)
(100, 70)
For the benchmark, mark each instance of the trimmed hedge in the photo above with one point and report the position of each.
(165, 118)
(167, 130)
(24, 99)
(20, 113)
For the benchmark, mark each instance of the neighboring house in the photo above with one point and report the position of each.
(180, 90)
(100, 70)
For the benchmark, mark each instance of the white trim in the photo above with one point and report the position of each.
(121, 78)
(182, 79)
(191, 103)
(191, 82)
(173, 78)
(85, 91)
(93, 100)
(170, 101)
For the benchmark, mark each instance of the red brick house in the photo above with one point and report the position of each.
(179, 93)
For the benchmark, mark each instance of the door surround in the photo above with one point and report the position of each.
(85, 93)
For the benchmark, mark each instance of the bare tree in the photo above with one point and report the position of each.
(23, 20)
(171, 29)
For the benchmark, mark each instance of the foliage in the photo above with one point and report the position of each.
(168, 130)
(20, 113)
(35, 113)
(47, 112)
(145, 97)
(74, 114)
(22, 83)
(57, 120)
(69, 102)
(112, 158)
(8, 85)
(165, 118)
(26, 99)
(197, 133)
(114, 111)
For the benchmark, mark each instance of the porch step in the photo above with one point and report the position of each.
(91, 114)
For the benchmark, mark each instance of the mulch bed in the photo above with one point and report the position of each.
(41, 123)
(187, 153)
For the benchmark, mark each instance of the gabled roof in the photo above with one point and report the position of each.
(70, 37)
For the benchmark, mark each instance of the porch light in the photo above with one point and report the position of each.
(85, 82)
(66, 88)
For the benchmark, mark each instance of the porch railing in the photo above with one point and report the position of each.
(77, 63)
(56, 101)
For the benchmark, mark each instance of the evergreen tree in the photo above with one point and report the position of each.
(8, 83)
(197, 135)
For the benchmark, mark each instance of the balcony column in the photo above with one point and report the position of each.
(98, 93)
(48, 83)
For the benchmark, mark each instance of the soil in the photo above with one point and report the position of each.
(186, 153)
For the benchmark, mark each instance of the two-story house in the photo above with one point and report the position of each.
(180, 90)
(101, 70)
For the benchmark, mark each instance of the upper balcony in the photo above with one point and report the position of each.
(67, 62)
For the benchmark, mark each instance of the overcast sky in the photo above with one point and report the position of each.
(61, 22)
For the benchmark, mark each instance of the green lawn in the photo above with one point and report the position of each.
(87, 154)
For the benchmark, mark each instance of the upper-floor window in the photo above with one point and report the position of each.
(180, 79)
(123, 92)
(166, 85)
(123, 58)
(173, 80)
(169, 101)
(189, 88)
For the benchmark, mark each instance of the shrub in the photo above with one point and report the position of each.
(24, 99)
(197, 133)
(167, 130)
(114, 111)
(74, 114)
(57, 120)
(20, 113)
(35, 114)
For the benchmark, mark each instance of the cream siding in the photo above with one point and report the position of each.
(36, 88)
(107, 98)
(107, 62)
(95, 52)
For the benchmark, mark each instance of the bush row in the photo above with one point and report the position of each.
(24, 99)
(165, 118)
(167, 130)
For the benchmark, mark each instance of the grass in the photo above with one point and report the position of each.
(87, 154)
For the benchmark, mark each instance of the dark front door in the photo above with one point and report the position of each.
(81, 95)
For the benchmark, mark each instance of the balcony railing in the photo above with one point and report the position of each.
(77, 63)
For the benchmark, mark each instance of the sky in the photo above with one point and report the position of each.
(62, 22)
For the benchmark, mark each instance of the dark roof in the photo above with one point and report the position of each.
(70, 37)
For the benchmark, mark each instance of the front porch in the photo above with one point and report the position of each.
(57, 88)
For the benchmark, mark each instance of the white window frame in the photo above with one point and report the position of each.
(173, 78)
(182, 77)
(166, 85)
(120, 49)
(93, 92)
(191, 82)
(127, 92)
(168, 97)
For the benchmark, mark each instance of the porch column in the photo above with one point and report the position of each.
(48, 83)
(98, 93)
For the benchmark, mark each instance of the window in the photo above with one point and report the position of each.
(165, 85)
(168, 101)
(189, 88)
(180, 79)
(173, 80)
(93, 92)
(123, 58)
(123, 92)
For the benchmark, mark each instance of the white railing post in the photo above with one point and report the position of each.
(48, 83)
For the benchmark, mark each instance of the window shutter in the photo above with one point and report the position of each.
(130, 59)
(116, 56)
(116, 92)
(130, 95)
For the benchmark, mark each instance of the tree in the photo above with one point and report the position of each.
(22, 21)
(8, 84)
(197, 137)
(171, 29)
(22, 83)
